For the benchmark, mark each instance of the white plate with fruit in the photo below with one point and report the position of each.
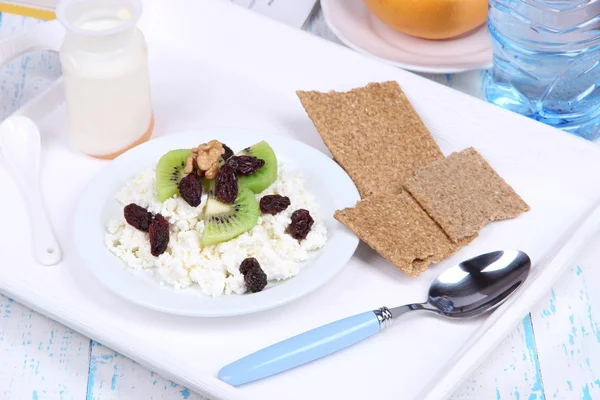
(216, 223)
(428, 36)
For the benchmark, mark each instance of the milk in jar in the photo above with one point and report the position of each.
(105, 68)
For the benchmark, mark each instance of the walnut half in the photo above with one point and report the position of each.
(207, 158)
(189, 165)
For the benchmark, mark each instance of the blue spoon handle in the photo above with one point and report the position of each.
(305, 347)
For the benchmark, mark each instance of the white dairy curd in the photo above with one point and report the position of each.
(215, 269)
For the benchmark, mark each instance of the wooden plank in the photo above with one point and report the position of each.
(515, 361)
(41, 359)
(511, 372)
(567, 327)
(112, 376)
(25, 77)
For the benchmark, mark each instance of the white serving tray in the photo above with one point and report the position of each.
(214, 64)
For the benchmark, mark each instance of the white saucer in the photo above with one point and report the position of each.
(359, 29)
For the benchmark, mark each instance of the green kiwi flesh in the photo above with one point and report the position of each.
(169, 171)
(208, 185)
(223, 222)
(264, 177)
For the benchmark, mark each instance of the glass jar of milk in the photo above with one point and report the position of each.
(105, 69)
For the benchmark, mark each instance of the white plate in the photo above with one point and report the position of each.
(359, 29)
(324, 178)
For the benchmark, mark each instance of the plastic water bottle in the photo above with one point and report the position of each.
(547, 61)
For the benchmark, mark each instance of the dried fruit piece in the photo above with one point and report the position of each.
(226, 184)
(137, 216)
(264, 177)
(274, 203)
(190, 189)
(159, 235)
(245, 165)
(228, 152)
(248, 264)
(255, 279)
(301, 224)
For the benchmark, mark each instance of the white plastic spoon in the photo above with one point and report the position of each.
(20, 143)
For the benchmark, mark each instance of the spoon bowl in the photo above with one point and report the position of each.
(20, 143)
(479, 284)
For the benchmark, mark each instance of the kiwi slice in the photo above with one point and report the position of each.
(208, 185)
(169, 171)
(264, 177)
(224, 221)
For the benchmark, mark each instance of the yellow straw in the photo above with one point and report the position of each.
(26, 11)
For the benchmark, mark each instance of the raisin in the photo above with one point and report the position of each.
(274, 204)
(190, 189)
(228, 152)
(255, 279)
(159, 235)
(301, 224)
(226, 184)
(137, 216)
(254, 276)
(248, 264)
(245, 165)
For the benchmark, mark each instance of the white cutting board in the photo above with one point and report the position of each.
(214, 64)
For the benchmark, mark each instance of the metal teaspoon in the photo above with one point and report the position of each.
(468, 289)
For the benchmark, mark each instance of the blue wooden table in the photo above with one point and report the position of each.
(553, 354)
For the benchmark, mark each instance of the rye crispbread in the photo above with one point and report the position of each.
(374, 133)
(377, 137)
(463, 193)
(399, 230)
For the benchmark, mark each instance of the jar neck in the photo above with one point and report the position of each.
(99, 25)
(102, 43)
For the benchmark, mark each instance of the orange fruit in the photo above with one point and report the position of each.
(430, 19)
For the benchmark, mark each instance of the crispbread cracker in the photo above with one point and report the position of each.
(374, 133)
(421, 265)
(462, 193)
(399, 230)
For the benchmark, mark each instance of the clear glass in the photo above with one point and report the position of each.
(546, 65)
(105, 68)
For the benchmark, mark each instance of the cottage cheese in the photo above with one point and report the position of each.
(215, 269)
